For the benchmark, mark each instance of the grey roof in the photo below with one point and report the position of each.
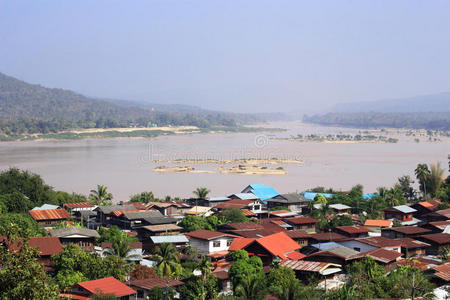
(341, 251)
(169, 239)
(405, 209)
(217, 199)
(68, 231)
(110, 208)
(136, 215)
(339, 206)
(289, 198)
(160, 220)
(246, 196)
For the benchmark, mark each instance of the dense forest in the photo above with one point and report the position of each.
(27, 108)
(426, 120)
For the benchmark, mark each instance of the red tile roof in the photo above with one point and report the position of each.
(218, 254)
(151, 283)
(46, 245)
(353, 229)
(207, 234)
(301, 220)
(295, 255)
(78, 205)
(438, 238)
(378, 223)
(443, 271)
(108, 285)
(410, 230)
(49, 214)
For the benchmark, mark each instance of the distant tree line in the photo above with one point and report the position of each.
(426, 120)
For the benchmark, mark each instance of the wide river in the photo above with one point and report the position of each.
(126, 166)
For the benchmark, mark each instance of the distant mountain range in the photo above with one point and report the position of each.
(417, 104)
(32, 108)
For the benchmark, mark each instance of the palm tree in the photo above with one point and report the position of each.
(122, 249)
(422, 174)
(100, 196)
(435, 177)
(205, 267)
(168, 260)
(201, 192)
(251, 288)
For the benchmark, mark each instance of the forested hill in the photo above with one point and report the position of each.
(30, 108)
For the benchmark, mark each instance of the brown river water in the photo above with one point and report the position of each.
(125, 165)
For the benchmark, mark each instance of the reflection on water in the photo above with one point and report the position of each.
(125, 165)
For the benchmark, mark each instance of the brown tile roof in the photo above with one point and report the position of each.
(244, 225)
(203, 234)
(419, 262)
(409, 243)
(151, 283)
(301, 220)
(78, 205)
(162, 227)
(235, 203)
(383, 255)
(378, 223)
(254, 233)
(444, 212)
(379, 241)
(440, 224)
(443, 271)
(437, 238)
(137, 205)
(297, 234)
(48, 245)
(49, 214)
(353, 229)
(410, 230)
(327, 236)
(118, 213)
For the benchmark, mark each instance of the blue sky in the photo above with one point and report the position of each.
(230, 55)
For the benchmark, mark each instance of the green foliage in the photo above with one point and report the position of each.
(244, 267)
(168, 261)
(21, 275)
(114, 235)
(193, 288)
(279, 208)
(428, 120)
(201, 192)
(405, 184)
(16, 202)
(158, 293)
(144, 197)
(26, 225)
(233, 215)
(252, 288)
(100, 196)
(192, 223)
(74, 265)
(341, 220)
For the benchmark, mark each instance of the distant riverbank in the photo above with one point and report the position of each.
(147, 132)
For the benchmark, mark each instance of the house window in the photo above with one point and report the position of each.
(357, 249)
(140, 294)
(216, 244)
(229, 243)
(256, 207)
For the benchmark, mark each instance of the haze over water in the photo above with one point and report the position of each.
(126, 166)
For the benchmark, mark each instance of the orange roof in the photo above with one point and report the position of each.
(118, 213)
(108, 285)
(248, 212)
(49, 214)
(378, 223)
(432, 204)
(278, 244)
(295, 255)
(239, 243)
(443, 271)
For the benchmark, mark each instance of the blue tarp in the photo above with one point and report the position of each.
(369, 196)
(311, 196)
(263, 192)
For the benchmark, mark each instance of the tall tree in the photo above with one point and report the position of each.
(405, 184)
(205, 267)
(435, 178)
(422, 173)
(168, 261)
(100, 196)
(21, 275)
(201, 192)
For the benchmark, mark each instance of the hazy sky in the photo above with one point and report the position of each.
(230, 55)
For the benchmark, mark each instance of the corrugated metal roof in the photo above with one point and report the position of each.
(404, 209)
(78, 205)
(68, 231)
(214, 199)
(169, 239)
(264, 192)
(245, 196)
(302, 265)
(339, 206)
(326, 246)
(50, 214)
(163, 227)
